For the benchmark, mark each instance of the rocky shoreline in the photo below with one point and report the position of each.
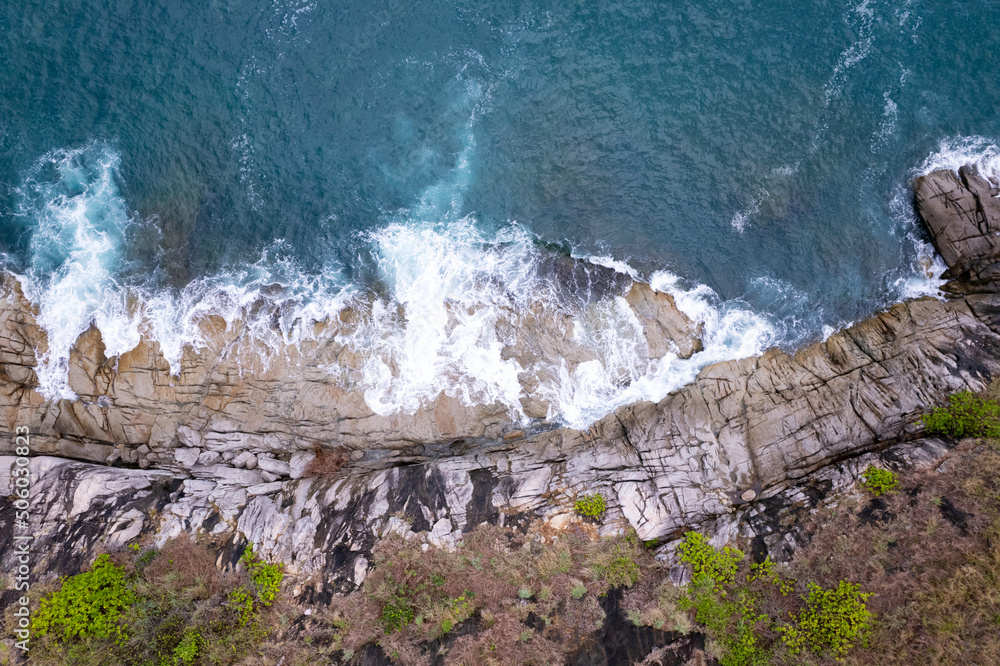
(301, 469)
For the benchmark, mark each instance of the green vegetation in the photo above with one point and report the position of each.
(149, 608)
(748, 613)
(616, 562)
(879, 481)
(266, 577)
(707, 563)
(831, 621)
(396, 614)
(88, 605)
(591, 506)
(966, 415)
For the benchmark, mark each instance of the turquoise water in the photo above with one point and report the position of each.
(760, 150)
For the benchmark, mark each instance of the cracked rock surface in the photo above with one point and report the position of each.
(237, 455)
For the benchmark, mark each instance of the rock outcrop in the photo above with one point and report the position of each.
(233, 454)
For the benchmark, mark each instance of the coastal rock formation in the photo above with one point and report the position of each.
(962, 213)
(301, 468)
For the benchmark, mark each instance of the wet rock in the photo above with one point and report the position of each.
(665, 328)
(962, 214)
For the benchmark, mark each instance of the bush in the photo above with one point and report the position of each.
(591, 506)
(966, 415)
(707, 563)
(879, 481)
(266, 577)
(88, 605)
(396, 614)
(831, 621)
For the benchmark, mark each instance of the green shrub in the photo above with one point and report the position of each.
(831, 621)
(266, 577)
(879, 481)
(88, 605)
(396, 614)
(578, 591)
(732, 625)
(966, 415)
(590, 505)
(241, 601)
(707, 563)
(187, 649)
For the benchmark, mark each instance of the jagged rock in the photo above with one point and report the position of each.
(962, 214)
(665, 328)
(187, 457)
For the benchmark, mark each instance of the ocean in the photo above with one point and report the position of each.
(273, 163)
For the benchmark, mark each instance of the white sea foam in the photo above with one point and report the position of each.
(78, 221)
(926, 267)
(955, 152)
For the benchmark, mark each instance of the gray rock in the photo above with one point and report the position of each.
(187, 457)
(299, 462)
(242, 459)
(209, 458)
(264, 489)
(274, 466)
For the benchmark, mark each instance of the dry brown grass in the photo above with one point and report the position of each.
(936, 583)
(502, 597)
(326, 463)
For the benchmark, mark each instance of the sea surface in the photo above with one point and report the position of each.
(271, 161)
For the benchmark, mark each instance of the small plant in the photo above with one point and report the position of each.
(767, 571)
(707, 563)
(240, 600)
(831, 621)
(266, 577)
(524, 593)
(578, 591)
(396, 614)
(88, 605)
(879, 481)
(966, 415)
(591, 506)
(146, 558)
(188, 648)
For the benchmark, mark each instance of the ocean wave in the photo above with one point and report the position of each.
(954, 152)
